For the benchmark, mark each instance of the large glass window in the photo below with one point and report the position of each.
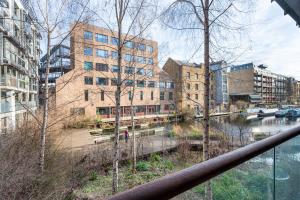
(150, 61)
(151, 84)
(162, 85)
(141, 59)
(88, 80)
(102, 111)
(162, 96)
(129, 44)
(129, 83)
(88, 65)
(115, 41)
(102, 67)
(115, 68)
(170, 85)
(114, 55)
(140, 71)
(101, 38)
(129, 70)
(149, 48)
(88, 35)
(149, 72)
(101, 81)
(140, 83)
(128, 58)
(88, 51)
(102, 53)
(141, 47)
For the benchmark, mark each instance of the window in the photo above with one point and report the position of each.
(128, 58)
(141, 47)
(129, 44)
(88, 35)
(170, 95)
(151, 84)
(115, 68)
(88, 51)
(88, 80)
(101, 81)
(86, 95)
(188, 96)
(188, 75)
(102, 67)
(149, 48)
(162, 96)
(129, 70)
(196, 96)
(197, 76)
(101, 38)
(115, 41)
(149, 72)
(150, 61)
(113, 81)
(152, 95)
(170, 85)
(102, 53)
(141, 59)
(129, 95)
(129, 83)
(188, 86)
(114, 55)
(140, 83)
(196, 86)
(102, 111)
(102, 95)
(88, 65)
(162, 85)
(141, 95)
(140, 71)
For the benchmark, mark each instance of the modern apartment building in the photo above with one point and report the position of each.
(219, 84)
(19, 61)
(256, 85)
(189, 84)
(89, 88)
(59, 64)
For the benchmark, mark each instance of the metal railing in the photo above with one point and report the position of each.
(174, 184)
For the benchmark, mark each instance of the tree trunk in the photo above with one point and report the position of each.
(133, 128)
(45, 109)
(118, 109)
(208, 192)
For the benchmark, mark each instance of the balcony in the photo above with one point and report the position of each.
(15, 61)
(6, 107)
(267, 169)
(12, 81)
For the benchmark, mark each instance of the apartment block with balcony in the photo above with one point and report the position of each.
(19, 60)
(91, 84)
(189, 84)
(256, 85)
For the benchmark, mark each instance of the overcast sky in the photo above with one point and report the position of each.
(275, 41)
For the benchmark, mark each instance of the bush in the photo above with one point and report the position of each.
(167, 164)
(170, 134)
(93, 176)
(142, 166)
(155, 158)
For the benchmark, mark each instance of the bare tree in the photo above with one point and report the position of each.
(208, 18)
(53, 16)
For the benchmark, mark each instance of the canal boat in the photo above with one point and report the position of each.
(266, 112)
(293, 113)
(281, 113)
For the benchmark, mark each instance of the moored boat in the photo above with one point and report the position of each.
(266, 112)
(293, 113)
(281, 113)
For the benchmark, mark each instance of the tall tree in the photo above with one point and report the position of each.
(209, 19)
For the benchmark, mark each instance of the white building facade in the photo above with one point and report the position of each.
(19, 61)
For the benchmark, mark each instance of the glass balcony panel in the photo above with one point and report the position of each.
(250, 180)
(287, 170)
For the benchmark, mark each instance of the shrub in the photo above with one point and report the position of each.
(93, 176)
(142, 166)
(155, 158)
(171, 134)
(168, 165)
